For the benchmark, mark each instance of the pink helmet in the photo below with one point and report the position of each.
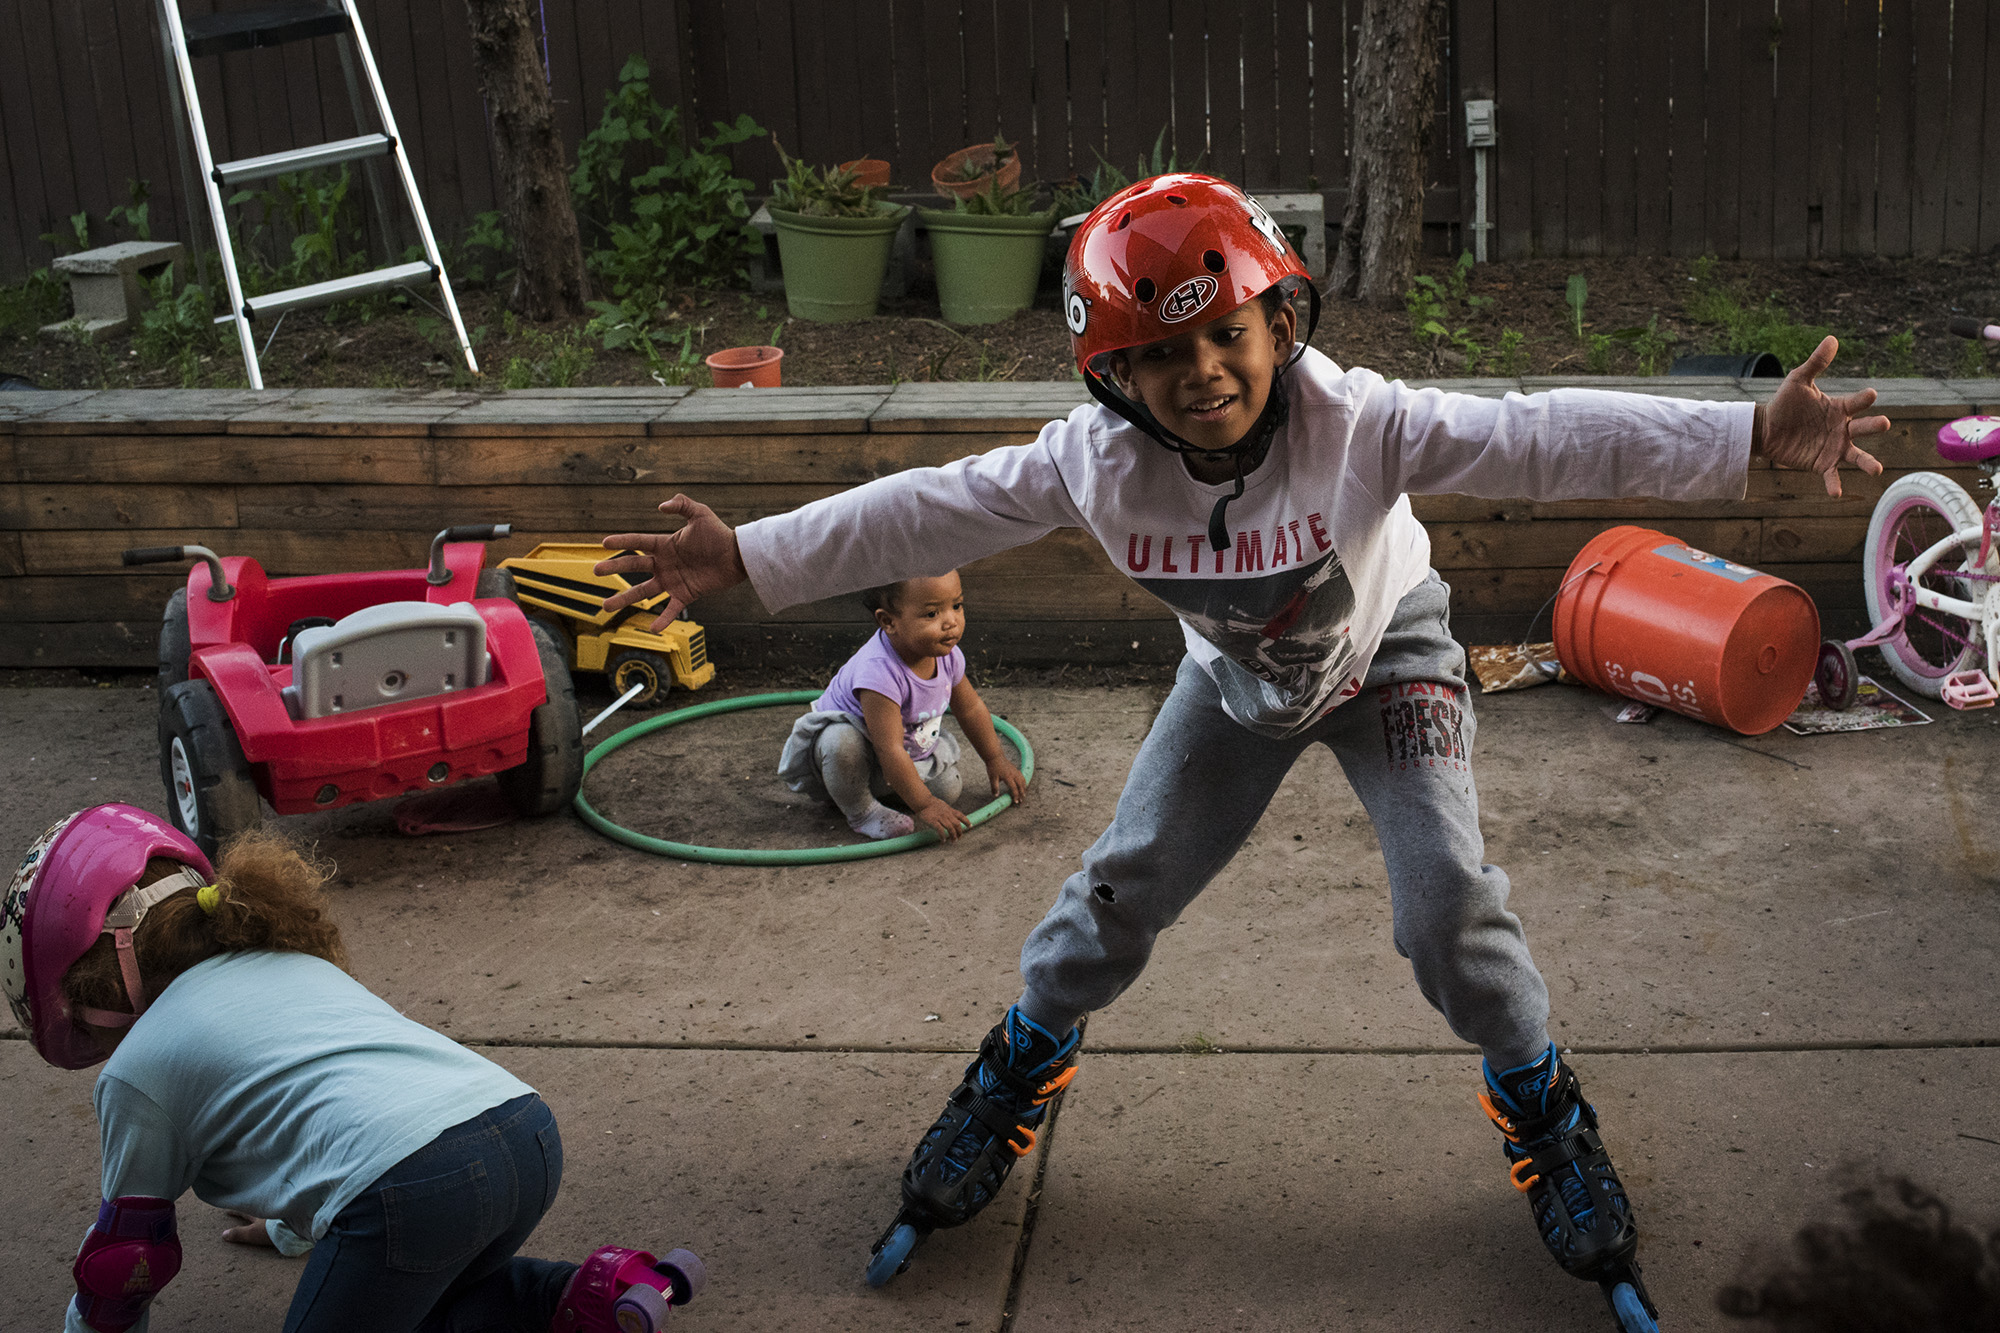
(76, 884)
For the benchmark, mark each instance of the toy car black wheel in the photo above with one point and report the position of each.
(210, 794)
(551, 775)
(174, 642)
(496, 583)
(636, 666)
(1836, 676)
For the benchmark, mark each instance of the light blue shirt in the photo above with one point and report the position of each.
(277, 1085)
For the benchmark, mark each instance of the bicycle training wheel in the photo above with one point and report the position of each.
(1915, 513)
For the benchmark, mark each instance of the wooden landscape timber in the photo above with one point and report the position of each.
(319, 481)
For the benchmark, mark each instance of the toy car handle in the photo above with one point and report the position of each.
(219, 589)
(464, 532)
(1963, 327)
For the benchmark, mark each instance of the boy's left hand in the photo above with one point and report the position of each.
(1805, 429)
(1002, 773)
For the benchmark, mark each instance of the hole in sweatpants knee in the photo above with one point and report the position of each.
(1105, 893)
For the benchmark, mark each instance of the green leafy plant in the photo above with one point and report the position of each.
(484, 252)
(998, 203)
(1654, 349)
(307, 216)
(634, 325)
(442, 339)
(836, 192)
(1971, 362)
(654, 213)
(1597, 349)
(1427, 303)
(1575, 295)
(554, 360)
(1900, 350)
(177, 329)
(26, 306)
(1078, 195)
(1510, 357)
(133, 212)
(973, 168)
(1745, 326)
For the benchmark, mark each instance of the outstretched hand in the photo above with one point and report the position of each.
(699, 558)
(1805, 429)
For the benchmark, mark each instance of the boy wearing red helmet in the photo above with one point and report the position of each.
(1275, 523)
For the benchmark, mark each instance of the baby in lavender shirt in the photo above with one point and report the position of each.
(879, 725)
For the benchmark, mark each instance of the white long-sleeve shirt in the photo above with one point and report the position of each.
(1324, 544)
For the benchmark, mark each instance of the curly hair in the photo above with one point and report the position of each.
(270, 900)
(1901, 1266)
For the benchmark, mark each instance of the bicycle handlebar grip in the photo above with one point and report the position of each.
(478, 532)
(1963, 327)
(153, 555)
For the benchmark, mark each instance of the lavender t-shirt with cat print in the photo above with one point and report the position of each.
(877, 667)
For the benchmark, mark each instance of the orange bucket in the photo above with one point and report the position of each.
(745, 367)
(1645, 616)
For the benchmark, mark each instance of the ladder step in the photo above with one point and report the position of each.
(266, 25)
(339, 289)
(303, 159)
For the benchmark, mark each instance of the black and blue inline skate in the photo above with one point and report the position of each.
(989, 1123)
(1559, 1162)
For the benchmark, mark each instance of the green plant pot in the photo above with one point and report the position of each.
(833, 266)
(987, 267)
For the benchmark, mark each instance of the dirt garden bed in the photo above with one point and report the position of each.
(1890, 315)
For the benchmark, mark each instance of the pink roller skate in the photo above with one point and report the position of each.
(627, 1291)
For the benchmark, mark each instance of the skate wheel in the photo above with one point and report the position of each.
(1631, 1311)
(640, 1309)
(1836, 676)
(686, 1270)
(894, 1256)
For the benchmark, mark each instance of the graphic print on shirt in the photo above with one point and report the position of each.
(923, 737)
(1288, 627)
(1423, 726)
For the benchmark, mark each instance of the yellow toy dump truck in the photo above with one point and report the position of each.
(557, 589)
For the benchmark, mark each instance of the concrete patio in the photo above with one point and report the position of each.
(1772, 959)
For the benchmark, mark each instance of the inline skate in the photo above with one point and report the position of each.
(1557, 1159)
(989, 1123)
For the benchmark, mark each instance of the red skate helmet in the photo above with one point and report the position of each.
(74, 885)
(1166, 255)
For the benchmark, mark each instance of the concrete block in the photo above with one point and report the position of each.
(1302, 217)
(104, 285)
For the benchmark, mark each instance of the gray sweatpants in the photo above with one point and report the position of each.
(1201, 782)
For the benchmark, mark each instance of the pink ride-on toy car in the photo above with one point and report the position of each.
(330, 689)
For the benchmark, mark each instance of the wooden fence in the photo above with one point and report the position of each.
(1750, 128)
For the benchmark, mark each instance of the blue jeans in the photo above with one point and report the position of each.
(430, 1245)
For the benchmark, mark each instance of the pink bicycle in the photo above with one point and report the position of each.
(1932, 576)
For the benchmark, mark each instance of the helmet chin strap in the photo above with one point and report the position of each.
(119, 923)
(1247, 454)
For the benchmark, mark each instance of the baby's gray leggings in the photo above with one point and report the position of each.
(1201, 782)
(854, 780)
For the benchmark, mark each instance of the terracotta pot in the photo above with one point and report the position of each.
(946, 175)
(745, 367)
(868, 170)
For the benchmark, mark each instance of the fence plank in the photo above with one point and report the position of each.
(1015, 101)
(60, 180)
(1965, 140)
(1860, 58)
(1724, 156)
(950, 127)
(1331, 37)
(1758, 47)
(1621, 128)
(1652, 129)
(1826, 98)
(1930, 123)
(1989, 176)
(1291, 102)
(979, 39)
(25, 147)
(1226, 91)
(1261, 95)
(1547, 96)
(1687, 210)
(1792, 140)
(1894, 181)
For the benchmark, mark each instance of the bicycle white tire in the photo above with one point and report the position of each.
(1949, 499)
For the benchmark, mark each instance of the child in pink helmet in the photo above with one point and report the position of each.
(1262, 493)
(409, 1167)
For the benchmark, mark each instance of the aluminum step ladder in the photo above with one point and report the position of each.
(273, 24)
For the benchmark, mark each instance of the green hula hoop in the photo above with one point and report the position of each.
(749, 856)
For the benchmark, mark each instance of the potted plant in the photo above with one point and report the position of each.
(970, 171)
(988, 252)
(834, 237)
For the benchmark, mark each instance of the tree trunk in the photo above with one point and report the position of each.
(549, 279)
(1396, 74)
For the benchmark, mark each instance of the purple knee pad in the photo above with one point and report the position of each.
(130, 1254)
